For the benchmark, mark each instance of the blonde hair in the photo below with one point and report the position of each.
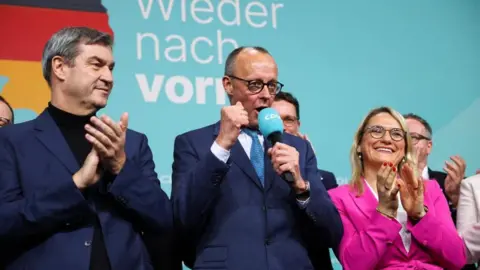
(356, 181)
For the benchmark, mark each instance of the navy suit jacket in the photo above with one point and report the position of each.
(46, 223)
(233, 222)
(328, 179)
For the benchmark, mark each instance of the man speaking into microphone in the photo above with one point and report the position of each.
(242, 201)
(78, 190)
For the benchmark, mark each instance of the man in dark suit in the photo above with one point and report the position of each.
(78, 191)
(289, 109)
(227, 191)
(421, 133)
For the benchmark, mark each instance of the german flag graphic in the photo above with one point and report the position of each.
(25, 27)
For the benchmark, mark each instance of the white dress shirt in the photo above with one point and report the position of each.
(425, 173)
(246, 142)
(244, 139)
(402, 218)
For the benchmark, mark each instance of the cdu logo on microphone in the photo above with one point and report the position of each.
(269, 121)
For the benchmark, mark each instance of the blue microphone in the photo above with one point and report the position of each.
(271, 127)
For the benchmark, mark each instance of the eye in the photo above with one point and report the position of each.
(376, 129)
(397, 133)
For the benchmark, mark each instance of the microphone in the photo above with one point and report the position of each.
(271, 127)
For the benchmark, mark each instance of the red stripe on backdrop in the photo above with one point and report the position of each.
(25, 30)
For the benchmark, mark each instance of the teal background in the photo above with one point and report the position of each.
(340, 58)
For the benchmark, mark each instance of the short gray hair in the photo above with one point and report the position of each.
(232, 57)
(65, 43)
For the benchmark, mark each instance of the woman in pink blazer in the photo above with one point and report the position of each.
(392, 218)
(468, 216)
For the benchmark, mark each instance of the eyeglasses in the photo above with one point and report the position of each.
(377, 132)
(289, 121)
(418, 137)
(4, 121)
(255, 86)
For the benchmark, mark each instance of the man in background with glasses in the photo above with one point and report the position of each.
(6, 113)
(421, 133)
(231, 207)
(288, 107)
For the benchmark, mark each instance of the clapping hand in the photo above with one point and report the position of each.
(108, 140)
(411, 192)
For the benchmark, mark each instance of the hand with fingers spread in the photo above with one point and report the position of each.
(387, 190)
(233, 118)
(455, 174)
(108, 140)
(411, 193)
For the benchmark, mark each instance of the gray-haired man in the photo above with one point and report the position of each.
(77, 190)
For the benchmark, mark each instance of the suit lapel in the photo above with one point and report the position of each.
(240, 158)
(366, 202)
(51, 137)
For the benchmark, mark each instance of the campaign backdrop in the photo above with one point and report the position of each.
(339, 58)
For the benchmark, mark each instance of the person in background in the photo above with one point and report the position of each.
(393, 218)
(6, 113)
(421, 133)
(78, 190)
(228, 196)
(422, 142)
(289, 109)
(468, 217)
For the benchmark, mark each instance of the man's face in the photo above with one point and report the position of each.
(89, 80)
(421, 142)
(287, 112)
(5, 114)
(251, 66)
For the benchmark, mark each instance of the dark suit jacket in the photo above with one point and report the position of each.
(46, 223)
(328, 179)
(235, 223)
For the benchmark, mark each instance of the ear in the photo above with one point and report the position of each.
(429, 147)
(227, 85)
(58, 68)
(298, 123)
(359, 149)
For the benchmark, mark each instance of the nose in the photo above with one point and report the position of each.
(386, 138)
(106, 75)
(265, 93)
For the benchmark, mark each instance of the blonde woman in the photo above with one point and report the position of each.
(468, 216)
(392, 218)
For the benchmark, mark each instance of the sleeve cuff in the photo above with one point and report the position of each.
(219, 152)
(303, 204)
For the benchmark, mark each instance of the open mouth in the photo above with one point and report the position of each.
(384, 150)
(260, 108)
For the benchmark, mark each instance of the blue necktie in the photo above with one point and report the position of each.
(256, 154)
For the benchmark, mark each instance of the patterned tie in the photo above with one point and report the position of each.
(256, 154)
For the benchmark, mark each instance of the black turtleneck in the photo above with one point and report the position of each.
(73, 130)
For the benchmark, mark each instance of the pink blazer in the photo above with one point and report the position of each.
(372, 241)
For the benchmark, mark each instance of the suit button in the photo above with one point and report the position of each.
(88, 243)
(67, 224)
